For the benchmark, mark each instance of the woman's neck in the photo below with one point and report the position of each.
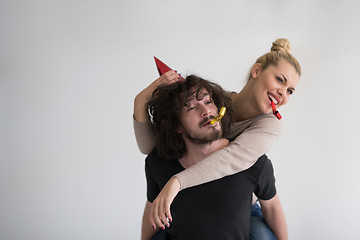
(243, 105)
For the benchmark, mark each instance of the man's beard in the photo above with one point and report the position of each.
(203, 139)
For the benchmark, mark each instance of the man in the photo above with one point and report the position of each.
(181, 115)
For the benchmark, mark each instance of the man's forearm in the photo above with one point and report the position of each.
(274, 217)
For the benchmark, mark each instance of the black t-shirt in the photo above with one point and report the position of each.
(219, 209)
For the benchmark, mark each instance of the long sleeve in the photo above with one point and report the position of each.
(145, 138)
(254, 138)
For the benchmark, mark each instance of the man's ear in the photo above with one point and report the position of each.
(255, 70)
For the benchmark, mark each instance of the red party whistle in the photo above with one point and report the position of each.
(275, 112)
(163, 68)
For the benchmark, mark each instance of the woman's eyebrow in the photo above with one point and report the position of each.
(287, 81)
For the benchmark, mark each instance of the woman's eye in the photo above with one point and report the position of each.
(290, 91)
(279, 79)
(191, 108)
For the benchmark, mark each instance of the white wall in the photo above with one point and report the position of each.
(69, 71)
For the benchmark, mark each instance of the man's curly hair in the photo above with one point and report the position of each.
(165, 108)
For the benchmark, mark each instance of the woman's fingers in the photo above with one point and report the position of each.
(156, 217)
(160, 210)
(152, 220)
(168, 213)
(169, 77)
(162, 215)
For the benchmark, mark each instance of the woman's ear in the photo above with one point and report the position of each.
(255, 70)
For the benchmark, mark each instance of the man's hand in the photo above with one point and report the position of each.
(160, 210)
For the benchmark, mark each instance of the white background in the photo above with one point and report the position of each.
(69, 71)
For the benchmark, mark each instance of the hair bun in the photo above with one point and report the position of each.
(281, 44)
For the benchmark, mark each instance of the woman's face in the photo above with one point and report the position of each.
(275, 82)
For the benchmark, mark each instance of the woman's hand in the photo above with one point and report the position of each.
(160, 210)
(214, 146)
(140, 109)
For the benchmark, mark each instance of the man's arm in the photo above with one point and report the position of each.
(146, 229)
(274, 217)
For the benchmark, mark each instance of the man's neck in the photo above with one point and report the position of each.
(197, 152)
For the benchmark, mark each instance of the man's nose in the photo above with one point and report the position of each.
(205, 111)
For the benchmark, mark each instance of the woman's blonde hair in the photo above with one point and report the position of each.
(280, 50)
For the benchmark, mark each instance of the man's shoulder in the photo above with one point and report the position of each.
(265, 184)
(263, 163)
(153, 154)
(262, 160)
(154, 160)
(262, 169)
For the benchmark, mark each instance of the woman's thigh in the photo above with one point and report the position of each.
(259, 230)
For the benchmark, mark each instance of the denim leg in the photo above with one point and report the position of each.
(259, 230)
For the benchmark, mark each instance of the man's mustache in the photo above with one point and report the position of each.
(205, 120)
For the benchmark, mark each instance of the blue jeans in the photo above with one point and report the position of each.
(259, 230)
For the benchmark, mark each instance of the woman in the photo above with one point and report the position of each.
(273, 78)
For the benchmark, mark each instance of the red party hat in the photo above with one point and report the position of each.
(162, 67)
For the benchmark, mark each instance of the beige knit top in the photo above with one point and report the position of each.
(252, 138)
